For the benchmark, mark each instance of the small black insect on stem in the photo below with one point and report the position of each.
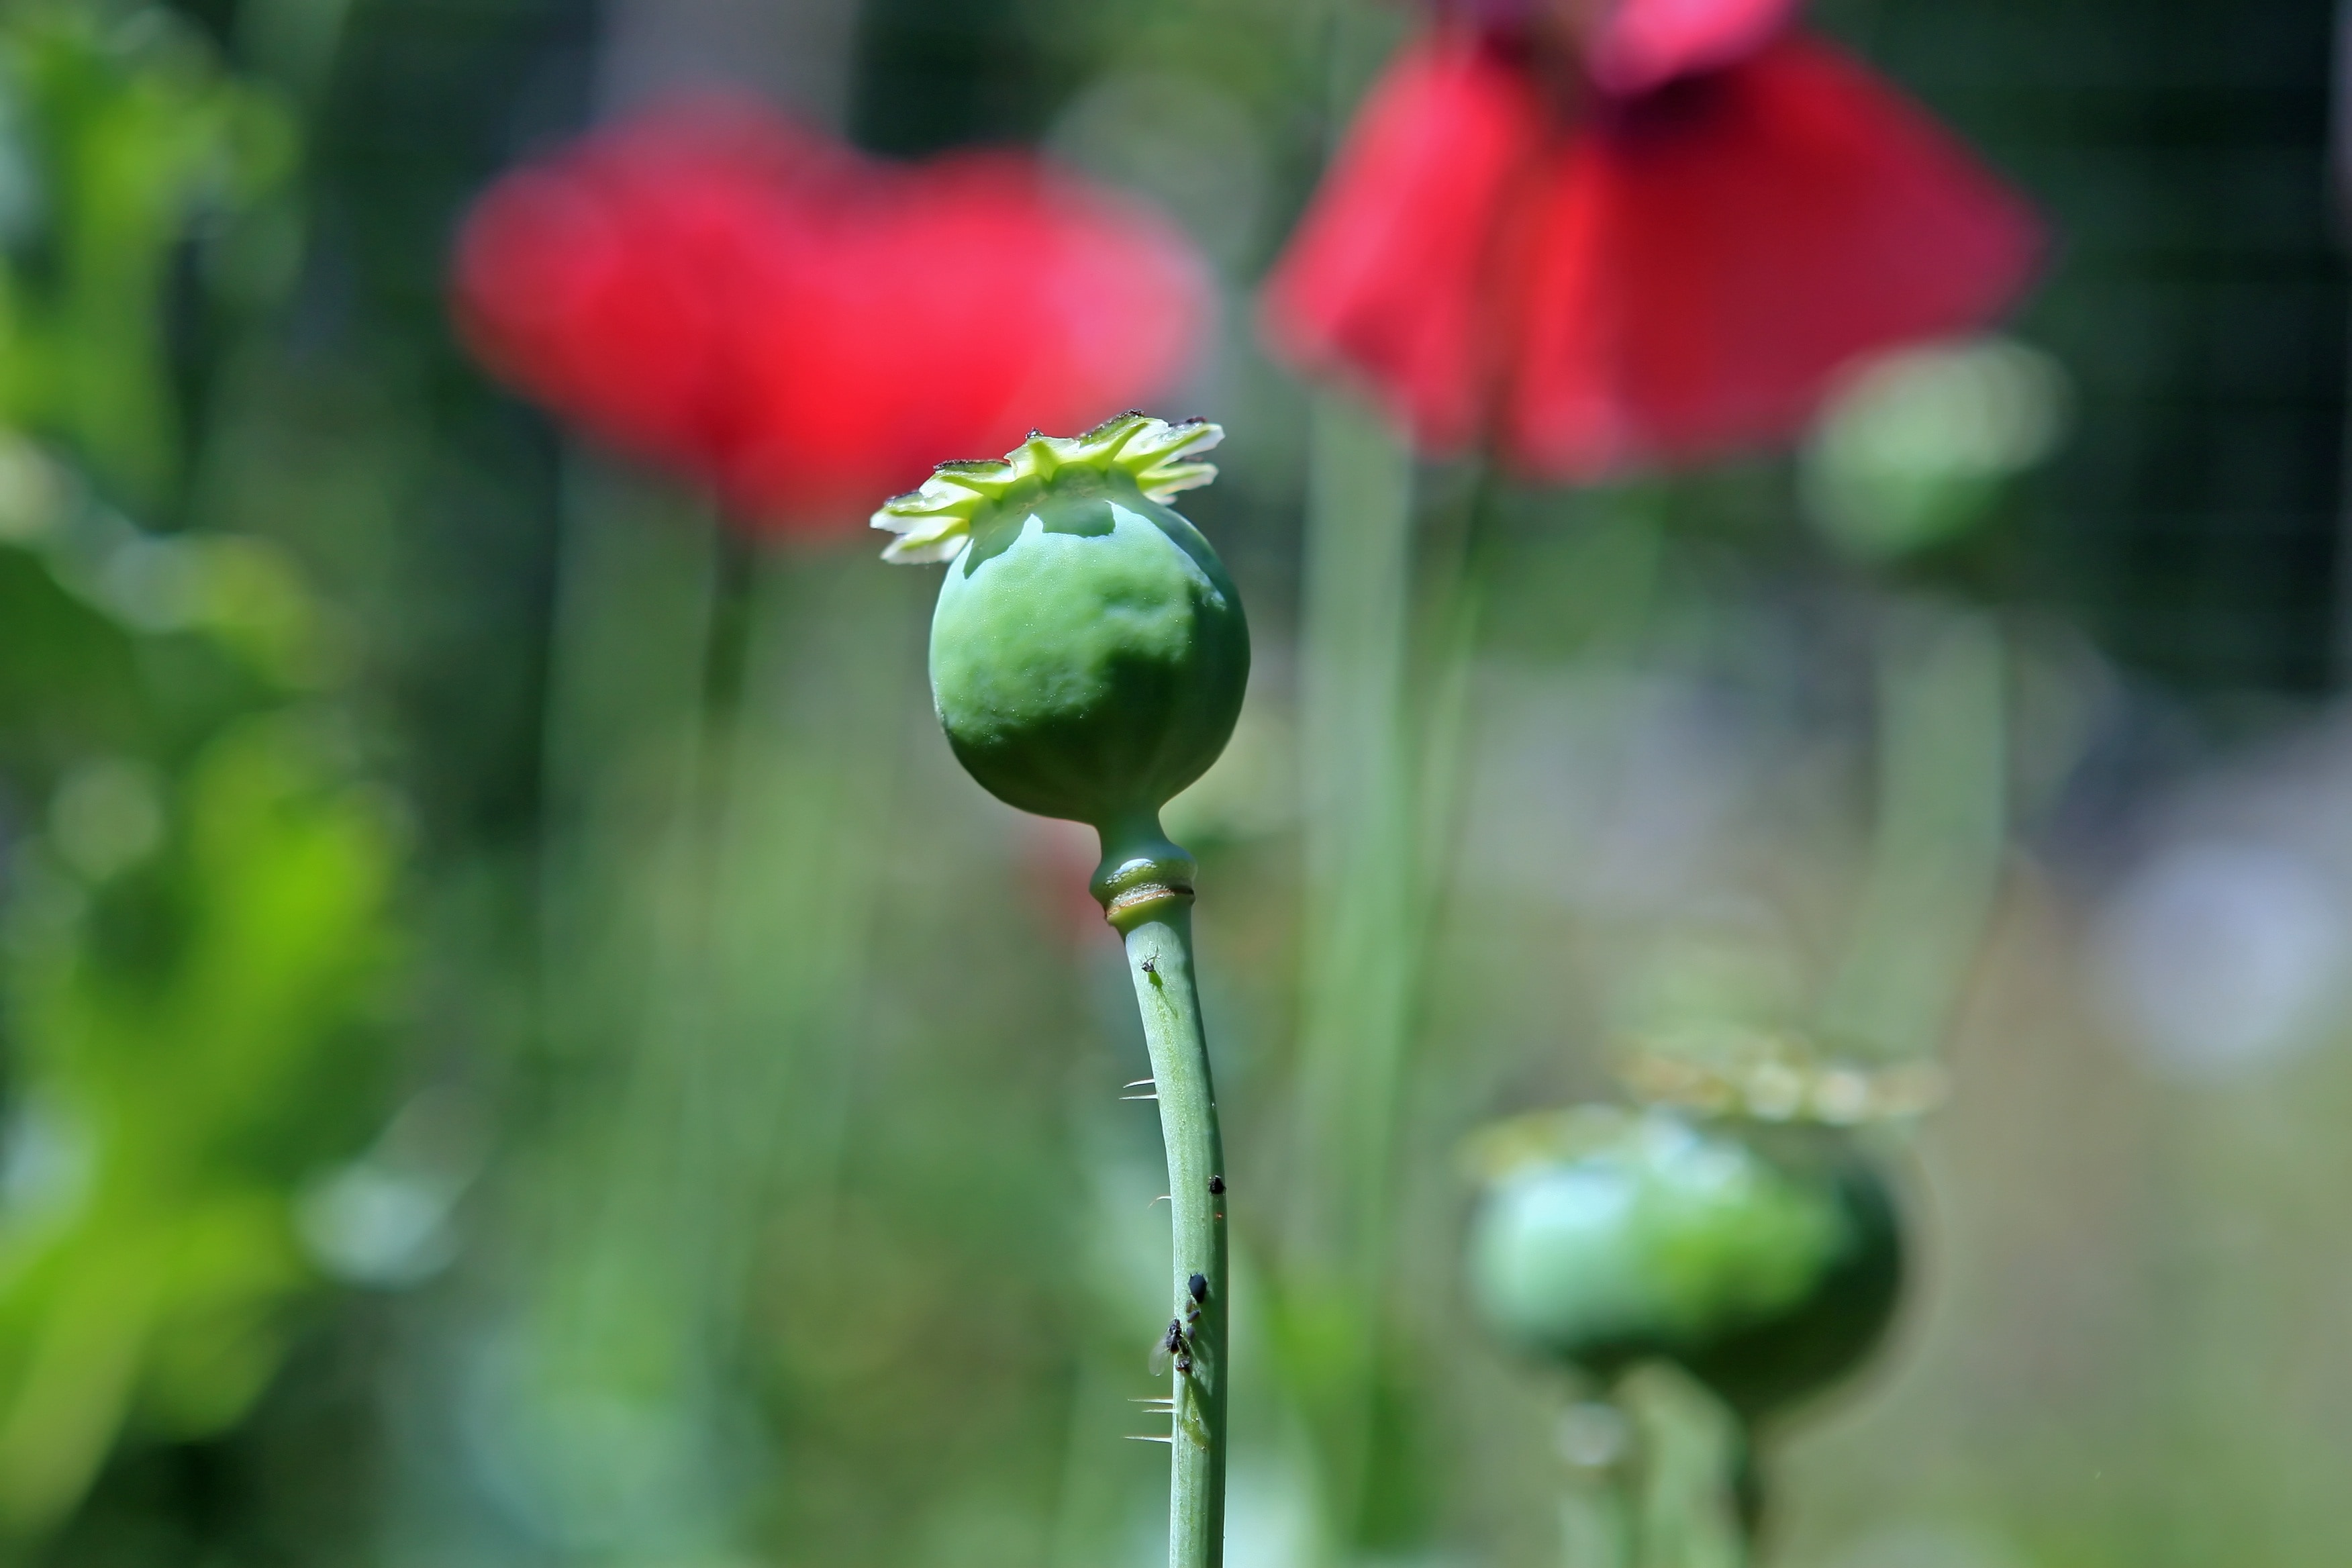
(1198, 1289)
(1216, 1185)
(1172, 1343)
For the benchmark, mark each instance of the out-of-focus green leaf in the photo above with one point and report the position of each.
(121, 140)
(192, 1037)
(67, 676)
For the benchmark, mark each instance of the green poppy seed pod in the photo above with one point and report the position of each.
(1088, 653)
(1765, 1260)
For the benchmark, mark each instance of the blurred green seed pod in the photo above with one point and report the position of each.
(1765, 1259)
(1919, 447)
(1088, 653)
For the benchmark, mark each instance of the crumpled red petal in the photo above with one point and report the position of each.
(1708, 257)
(1663, 278)
(961, 306)
(804, 330)
(600, 282)
(1385, 281)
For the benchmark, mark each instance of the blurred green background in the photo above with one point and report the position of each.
(450, 1119)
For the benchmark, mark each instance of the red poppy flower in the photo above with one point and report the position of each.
(1658, 243)
(803, 329)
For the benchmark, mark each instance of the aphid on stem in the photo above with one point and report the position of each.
(1172, 1343)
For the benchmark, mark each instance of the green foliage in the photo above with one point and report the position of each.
(196, 910)
(189, 1040)
(122, 142)
(195, 947)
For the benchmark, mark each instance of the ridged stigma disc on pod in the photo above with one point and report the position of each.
(1766, 1260)
(1088, 653)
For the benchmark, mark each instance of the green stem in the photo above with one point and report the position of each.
(1145, 884)
(1936, 865)
(1361, 960)
(1696, 1504)
(1596, 1506)
(1593, 1527)
(1388, 627)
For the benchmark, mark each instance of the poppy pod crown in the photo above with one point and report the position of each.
(936, 521)
(1088, 653)
(1769, 1077)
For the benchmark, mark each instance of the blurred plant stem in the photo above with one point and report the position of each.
(1381, 747)
(1655, 1477)
(1595, 1524)
(717, 745)
(1936, 860)
(1358, 983)
(1692, 1459)
(1360, 858)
